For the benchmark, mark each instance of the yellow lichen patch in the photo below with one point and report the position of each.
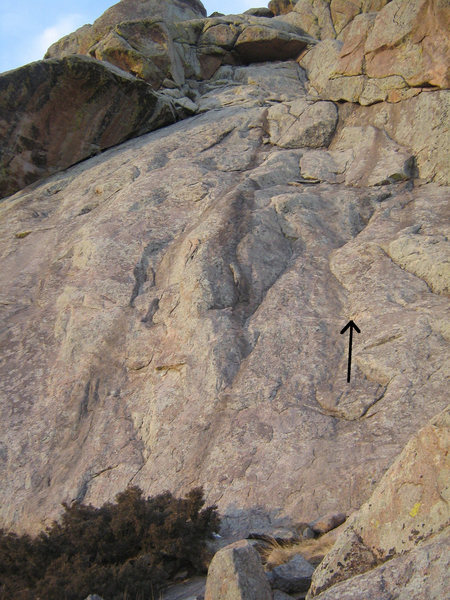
(415, 509)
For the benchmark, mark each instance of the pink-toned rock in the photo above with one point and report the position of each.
(420, 573)
(409, 506)
(236, 573)
(411, 39)
(328, 522)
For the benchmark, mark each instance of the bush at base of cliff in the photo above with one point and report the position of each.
(127, 549)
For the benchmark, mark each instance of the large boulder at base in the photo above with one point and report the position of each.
(422, 573)
(236, 573)
(409, 506)
(55, 113)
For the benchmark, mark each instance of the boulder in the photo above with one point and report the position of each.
(279, 595)
(236, 573)
(328, 522)
(420, 573)
(293, 576)
(302, 123)
(259, 12)
(408, 507)
(159, 49)
(55, 113)
(169, 11)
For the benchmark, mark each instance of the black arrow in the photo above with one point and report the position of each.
(352, 327)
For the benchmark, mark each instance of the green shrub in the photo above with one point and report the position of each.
(127, 549)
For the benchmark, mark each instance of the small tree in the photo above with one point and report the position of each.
(130, 548)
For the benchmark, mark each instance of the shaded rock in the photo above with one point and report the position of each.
(302, 123)
(420, 573)
(193, 589)
(260, 12)
(308, 533)
(328, 522)
(281, 7)
(94, 597)
(258, 43)
(236, 573)
(279, 595)
(359, 156)
(293, 576)
(408, 507)
(55, 113)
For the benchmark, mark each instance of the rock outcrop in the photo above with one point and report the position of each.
(377, 56)
(171, 307)
(70, 107)
(407, 511)
(418, 574)
(55, 113)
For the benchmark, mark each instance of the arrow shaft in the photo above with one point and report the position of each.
(350, 342)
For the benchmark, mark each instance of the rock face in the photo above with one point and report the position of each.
(236, 573)
(420, 573)
(171, 308)
(382, 55)
(56, 113)
(194, 337)
(408, 508)
(71, 107)
(150, 44)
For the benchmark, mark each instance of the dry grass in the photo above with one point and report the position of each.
(312, 550)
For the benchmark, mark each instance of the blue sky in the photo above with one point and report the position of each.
(28, 27)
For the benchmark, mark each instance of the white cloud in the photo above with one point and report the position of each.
(52, 34)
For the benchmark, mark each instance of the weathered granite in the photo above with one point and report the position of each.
(420, 573)
(409, 506)
(57, 112)
(236, 573)
(189, 290)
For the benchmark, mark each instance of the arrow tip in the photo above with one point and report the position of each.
(352, 324)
